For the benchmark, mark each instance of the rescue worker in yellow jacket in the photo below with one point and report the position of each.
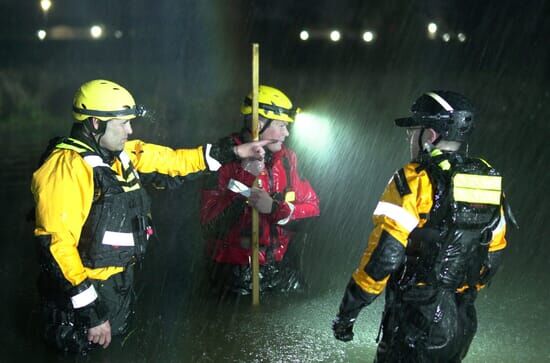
(439, 234)
(93, 220)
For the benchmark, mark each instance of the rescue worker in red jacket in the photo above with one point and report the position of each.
(92, 214)
(282, 197)
(438, 238)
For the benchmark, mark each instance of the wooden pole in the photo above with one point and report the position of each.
(255, 216)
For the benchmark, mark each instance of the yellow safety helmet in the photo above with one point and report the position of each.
(104, 100)
(272, 104)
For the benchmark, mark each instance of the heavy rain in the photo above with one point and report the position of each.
(189, 63)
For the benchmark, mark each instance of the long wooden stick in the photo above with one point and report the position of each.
(255, 216)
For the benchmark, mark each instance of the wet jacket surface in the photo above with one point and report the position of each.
(431, 261)
(395, 217)
(227, 219)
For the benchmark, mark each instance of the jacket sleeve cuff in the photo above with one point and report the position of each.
(219, 153)
(281, 212)
(353, 301)
(89, 310)
(83, 294)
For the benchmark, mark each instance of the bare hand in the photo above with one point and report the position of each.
(100, 334)
(260, 200)
(254, 167)
(252, 150)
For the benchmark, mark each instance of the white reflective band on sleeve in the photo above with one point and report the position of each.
(213, 164)
(94, 160)
(282, 222)
(441, 101)
(86, 297)
(500, 225)
(398, 214)
(118, 239)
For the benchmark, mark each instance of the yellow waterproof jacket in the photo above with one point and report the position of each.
(398, 215)
(63, 189)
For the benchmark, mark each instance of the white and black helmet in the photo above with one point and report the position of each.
(449, 113)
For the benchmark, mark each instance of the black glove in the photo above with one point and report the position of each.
(343, 328)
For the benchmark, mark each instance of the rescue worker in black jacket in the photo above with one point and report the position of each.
(93, 220)
(438, 238)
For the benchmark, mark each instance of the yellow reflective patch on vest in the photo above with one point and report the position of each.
(483, 189)
(129, 180)
(290, 196)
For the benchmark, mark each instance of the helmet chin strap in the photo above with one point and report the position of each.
(107, 155)
(427, 146)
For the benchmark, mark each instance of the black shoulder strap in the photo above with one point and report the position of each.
(401, 183)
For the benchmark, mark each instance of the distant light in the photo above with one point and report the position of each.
(41, 34)
(368, 36)
(335, 35)
(96, 31)
(304, 35)
(461, 37)
(432, 28)
(45, 5)
(446, 37)
(118, 34)
(311, 130)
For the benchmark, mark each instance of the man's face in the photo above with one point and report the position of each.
(277, 130)
(116, 134)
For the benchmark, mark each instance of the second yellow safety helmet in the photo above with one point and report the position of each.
(272, 104)
(104, 100)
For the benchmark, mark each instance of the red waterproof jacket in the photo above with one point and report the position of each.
(226, 217)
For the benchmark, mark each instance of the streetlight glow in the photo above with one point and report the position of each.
(41, 34)
(432, 28)
(368, 36)
(461, 37)
(45, 5)
(96, 31)
(446, 37)
(335, 35)
(304, 35)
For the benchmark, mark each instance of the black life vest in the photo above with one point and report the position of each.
(118, 225)
(449, 250)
